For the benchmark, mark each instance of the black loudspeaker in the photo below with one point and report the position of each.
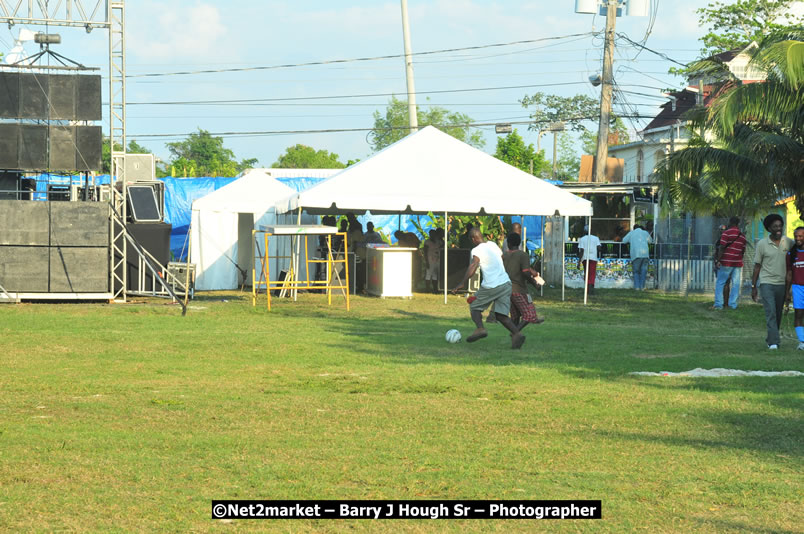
(153, 237)
(9, 144)
(62, 96)
(34, 92)
(71, 97)
(459, 259)
(9, 185)
(9, 95)
(33, 147)
(142, 204)
(27, 188)
(88, 98)
(58, 193)
(88, 142)
(62, 148)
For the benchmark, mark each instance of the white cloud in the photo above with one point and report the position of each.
(176, 33)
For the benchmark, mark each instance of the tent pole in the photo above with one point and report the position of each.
(446, 238)
(587, 253)
(295, 260)
(563, 256)
(541, 263)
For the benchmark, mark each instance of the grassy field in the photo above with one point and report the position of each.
(130, 417)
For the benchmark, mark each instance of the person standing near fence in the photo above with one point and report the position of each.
(589, 251)
(729, 263)
(638, 241)
(770, 269)
(795, 282)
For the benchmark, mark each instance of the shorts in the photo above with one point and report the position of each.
(432, 272)
(798, 296)
(521, 307)
(500, 296)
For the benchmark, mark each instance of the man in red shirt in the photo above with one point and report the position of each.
(729, 263)
(795, 281)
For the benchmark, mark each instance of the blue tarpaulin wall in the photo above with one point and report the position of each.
(179, 196)
(181, 192)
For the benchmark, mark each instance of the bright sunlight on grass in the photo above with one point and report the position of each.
(130, 417)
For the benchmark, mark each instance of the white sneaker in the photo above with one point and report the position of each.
(773, 347)
(801, 346)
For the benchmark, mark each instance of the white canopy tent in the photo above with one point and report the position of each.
(220, 230)
(432, 171)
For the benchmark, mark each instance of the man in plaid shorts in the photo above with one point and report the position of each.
(517, 265)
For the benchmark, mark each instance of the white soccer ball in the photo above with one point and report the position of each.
(453, 336)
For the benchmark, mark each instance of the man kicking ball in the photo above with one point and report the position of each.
(495, 289)
(795, 281)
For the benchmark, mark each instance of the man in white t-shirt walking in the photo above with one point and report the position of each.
(589, 252)
(495, 289)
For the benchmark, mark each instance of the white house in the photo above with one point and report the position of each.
(669, 131)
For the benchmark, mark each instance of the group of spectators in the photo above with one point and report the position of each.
(777, 277)
(589, 253)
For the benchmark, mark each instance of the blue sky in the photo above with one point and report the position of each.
(167, 37)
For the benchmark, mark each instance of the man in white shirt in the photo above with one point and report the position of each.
(639, 239)
(495, 289)
(589, 253)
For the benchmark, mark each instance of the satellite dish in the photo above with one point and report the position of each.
(595, 79)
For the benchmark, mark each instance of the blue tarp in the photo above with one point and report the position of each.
(179, 196)
(181, 192)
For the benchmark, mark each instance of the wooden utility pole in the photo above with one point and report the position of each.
(605, 94)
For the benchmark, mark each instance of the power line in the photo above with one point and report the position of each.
(332, 97)
(643, 47)
(353, 60)
(347, 130)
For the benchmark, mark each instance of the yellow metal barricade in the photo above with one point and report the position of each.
(291, 283)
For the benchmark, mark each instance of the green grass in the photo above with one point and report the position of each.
(132, 418)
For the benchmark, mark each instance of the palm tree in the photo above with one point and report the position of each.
(756, 151)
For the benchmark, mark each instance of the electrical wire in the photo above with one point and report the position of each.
(352, 60)
(331, 97)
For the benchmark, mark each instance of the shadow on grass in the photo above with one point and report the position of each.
(746, 431)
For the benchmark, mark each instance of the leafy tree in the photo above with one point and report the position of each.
(569, 161)
(757, 151)
(201, 154)
(511, 149)
(573, 110)
(735, 25)
(393, 126)
(305, 157)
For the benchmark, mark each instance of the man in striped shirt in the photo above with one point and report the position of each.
(729, 263)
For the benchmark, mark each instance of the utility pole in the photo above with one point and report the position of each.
(555, 159)
(605, 94)
(412, 114)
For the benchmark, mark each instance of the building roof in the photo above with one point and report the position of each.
(684, 101)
